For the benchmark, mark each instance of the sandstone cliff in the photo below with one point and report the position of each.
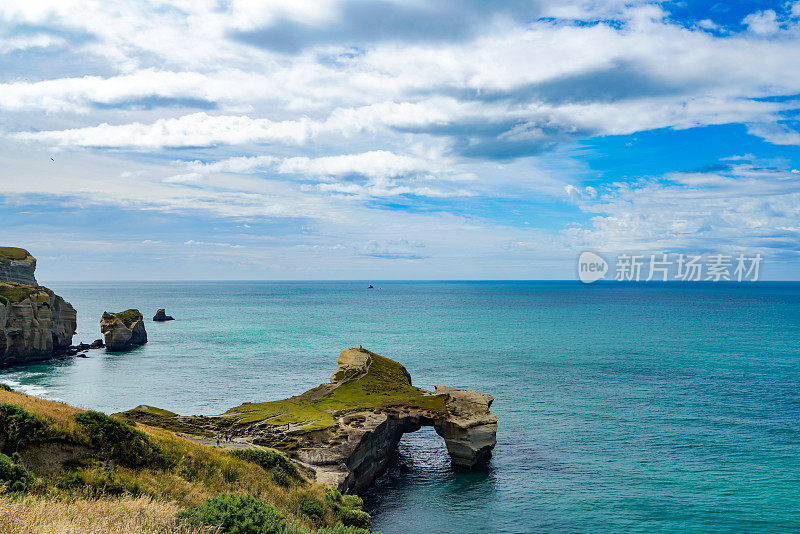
(123, 330)
(17, 266)
(347, 431)
(35, 323)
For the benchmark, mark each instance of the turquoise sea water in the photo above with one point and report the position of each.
(649, 408)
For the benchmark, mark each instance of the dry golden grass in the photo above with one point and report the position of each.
(58, 413)
(205, 471)
(126, 515)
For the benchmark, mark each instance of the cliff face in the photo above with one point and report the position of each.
(347, 431)
(35, 323)
(17, 266)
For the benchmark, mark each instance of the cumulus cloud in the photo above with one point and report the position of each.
(762, 22)
(744, 207)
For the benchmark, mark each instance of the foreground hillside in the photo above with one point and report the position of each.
(63, 469)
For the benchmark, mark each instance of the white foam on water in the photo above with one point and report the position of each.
(29, 389)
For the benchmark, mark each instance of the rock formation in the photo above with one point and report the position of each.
(123, 330)
(17, 266)
(35, 323)
(161, 315)
(347, 431)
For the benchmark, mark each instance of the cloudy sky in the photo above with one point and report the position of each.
(378, 139)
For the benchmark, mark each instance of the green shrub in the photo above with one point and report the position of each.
(17, 426)
(283, 471)
(70, 480)
(236, 514)
(119, 442)
(280, 477)
(5, 387)
(348, 509)
(312, 509)
(13, 475)
(355, 518)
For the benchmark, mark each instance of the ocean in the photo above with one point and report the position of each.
(638, 408)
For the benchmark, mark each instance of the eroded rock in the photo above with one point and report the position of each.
(17, 266)
(161, 315)
(123, 330)
(35, 323)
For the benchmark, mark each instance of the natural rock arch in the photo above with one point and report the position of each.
(346, 431)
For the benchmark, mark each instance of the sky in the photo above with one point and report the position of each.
(381, 139)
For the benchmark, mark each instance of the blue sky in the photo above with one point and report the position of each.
(375, 139)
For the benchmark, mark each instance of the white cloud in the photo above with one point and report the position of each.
(12, 44)
(747, 208)
(194, 243)
(762, 22)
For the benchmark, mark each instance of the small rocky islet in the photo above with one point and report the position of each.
(123, 330)
(343, 432)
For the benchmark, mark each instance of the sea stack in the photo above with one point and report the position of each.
(123, 330)
(35, 323)
(161, 315)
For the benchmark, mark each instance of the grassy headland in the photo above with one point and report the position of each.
(383, 387)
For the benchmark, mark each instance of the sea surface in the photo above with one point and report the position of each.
(639, 408)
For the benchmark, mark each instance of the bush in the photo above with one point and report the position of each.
(280, 477)
(348, 509)
(13, 475)
(118, 441)
(5, 387)
(312, 508)
(266, 459)
(283, 471)
(17, 426)
(355, 518)
(236, 514)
